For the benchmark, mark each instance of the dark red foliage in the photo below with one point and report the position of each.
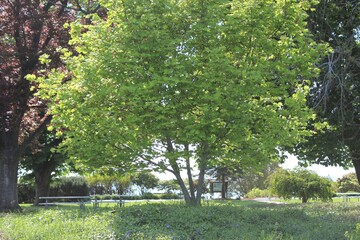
(28, 29)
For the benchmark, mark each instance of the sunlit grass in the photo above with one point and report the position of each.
(57, 222)
(217, 219)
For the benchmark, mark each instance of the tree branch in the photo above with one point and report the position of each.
(45, 121)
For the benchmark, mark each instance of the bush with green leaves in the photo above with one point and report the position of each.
(348, 183)
(300, 183)
(256, 192)
(69, 186)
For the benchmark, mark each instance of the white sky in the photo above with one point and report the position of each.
(333, 172)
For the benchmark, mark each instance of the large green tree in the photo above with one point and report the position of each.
(163, 83)
(335, 94)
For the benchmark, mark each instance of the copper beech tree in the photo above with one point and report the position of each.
(28, 30)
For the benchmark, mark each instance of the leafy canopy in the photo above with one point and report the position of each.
(335, 93)
(165, 82)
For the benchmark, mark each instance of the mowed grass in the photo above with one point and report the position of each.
(172, 220)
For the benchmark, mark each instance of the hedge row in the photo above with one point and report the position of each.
(64, 186)
(77, 186)
(139, 197)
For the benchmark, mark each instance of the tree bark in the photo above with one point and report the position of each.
(223, 187)
(199, 190)
(304, 199)
(189, 175)
(355, 158)
(204, 158)
(42, 184)
(9, 162)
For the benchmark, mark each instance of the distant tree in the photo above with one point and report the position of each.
(93, 182)
(169, 186)
(145, 180)
(108, 181)
(348, 183)
(42, 162)
(300, 183)
(122, 183)
(250, 179)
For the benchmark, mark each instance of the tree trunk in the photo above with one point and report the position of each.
(355, 158)
(190, 199)
(304, 199)
(203, 162)
(9, 162)
(42, 184)
(199, 190)
(188, 172)
(187, 196)
(223, 187)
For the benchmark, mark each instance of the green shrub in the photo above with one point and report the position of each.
(300, 183)
(149, 196)
(354, 235)
(169, 196)
(135, 197)
(258, 193)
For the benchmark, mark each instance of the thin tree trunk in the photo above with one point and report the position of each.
(189, 200)
(188, 171)
(204, 158)
(223, 187)
(199, 190)
(187, 197)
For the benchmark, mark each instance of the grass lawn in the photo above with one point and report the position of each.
(172, 220)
